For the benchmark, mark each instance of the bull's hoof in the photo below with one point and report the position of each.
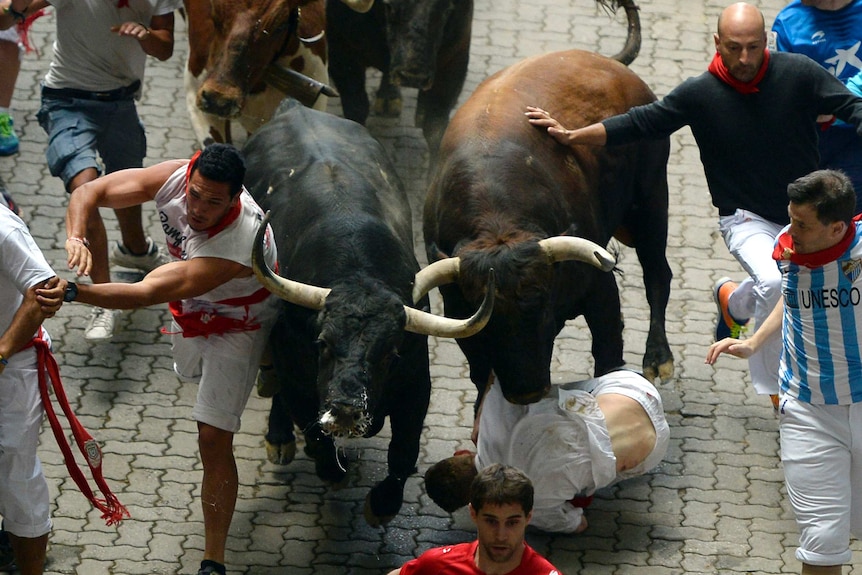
(388, 107)
(384, 501)
(281, 454)
(664, 372)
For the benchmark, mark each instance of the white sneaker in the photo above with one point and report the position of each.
(154, 257)
(101, 325)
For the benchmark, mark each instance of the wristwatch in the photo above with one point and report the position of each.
(71, 292)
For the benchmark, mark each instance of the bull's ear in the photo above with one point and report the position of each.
(434, 253)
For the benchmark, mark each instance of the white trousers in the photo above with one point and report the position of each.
(821, 450)
(751, 239)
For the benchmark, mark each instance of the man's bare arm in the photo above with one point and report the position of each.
(592, 135)
(26, 321)
(770, 327)
(170, 282)
(121, 189)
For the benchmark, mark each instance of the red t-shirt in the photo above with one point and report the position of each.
(458, 560)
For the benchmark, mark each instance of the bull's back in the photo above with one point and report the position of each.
(494, 156)
(577, 88)
(319, 173)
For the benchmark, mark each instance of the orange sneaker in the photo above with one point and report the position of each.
(726, 325)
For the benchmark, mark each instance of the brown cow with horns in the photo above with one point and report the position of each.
(246, 55)
(505, 195)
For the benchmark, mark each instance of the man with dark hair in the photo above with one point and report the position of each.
(501, 504)
(819, 318)
(222, 315)
(750, 97)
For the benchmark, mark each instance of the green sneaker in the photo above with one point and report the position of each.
(8, 138)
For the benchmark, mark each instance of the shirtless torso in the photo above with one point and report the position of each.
(633, 435)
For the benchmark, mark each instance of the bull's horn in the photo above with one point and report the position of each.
(563, 248)
(361, 6)
(439, 273)
(440, 326)
(298, 293)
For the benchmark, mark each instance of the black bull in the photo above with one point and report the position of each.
(502, 185)
(422, 44)
(351, 353)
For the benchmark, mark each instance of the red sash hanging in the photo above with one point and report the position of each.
(112, 510)
(24, 29)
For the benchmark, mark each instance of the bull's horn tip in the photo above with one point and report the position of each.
(607, 262)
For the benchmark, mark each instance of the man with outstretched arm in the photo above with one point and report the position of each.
(222, 315)
(753, 115)
(819, 317)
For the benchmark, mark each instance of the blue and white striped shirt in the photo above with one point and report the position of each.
(821, 362)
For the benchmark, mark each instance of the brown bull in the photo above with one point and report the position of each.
(501, 188)
(241, 54)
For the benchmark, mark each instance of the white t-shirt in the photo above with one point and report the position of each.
(243, 298)
(562, 442)
(22, 266)
(87, 55)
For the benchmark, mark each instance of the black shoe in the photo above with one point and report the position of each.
(209, 567)
(7, 556)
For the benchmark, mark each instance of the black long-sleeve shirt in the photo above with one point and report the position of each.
(751, 145)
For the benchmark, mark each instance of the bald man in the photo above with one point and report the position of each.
(753, 115)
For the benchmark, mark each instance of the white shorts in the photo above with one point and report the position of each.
(821, 450)
(634, 386)
(24, 498)
(226, 367)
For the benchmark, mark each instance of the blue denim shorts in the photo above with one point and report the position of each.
(80, 132)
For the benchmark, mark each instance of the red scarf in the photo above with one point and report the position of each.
(112, 510)
(784, 249)
(720, 71)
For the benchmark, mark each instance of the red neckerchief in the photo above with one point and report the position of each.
(784, 249)
(232, 214)
(123, 4)
(720, 71)
(112, 510)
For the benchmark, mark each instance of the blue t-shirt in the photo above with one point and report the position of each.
(832, 38)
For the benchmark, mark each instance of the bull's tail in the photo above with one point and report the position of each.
(633, 39)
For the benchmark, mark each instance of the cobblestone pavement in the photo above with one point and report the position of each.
(715, 505)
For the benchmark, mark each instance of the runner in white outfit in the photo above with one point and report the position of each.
(222, 316)
(569, 444)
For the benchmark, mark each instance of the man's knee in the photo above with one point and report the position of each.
(213, 441)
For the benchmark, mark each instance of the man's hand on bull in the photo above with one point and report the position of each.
(542, 119)
(592, 135)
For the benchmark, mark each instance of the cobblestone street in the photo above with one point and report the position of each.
(716, 505)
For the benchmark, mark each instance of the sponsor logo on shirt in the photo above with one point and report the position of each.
(851, 269)
(823, 298)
